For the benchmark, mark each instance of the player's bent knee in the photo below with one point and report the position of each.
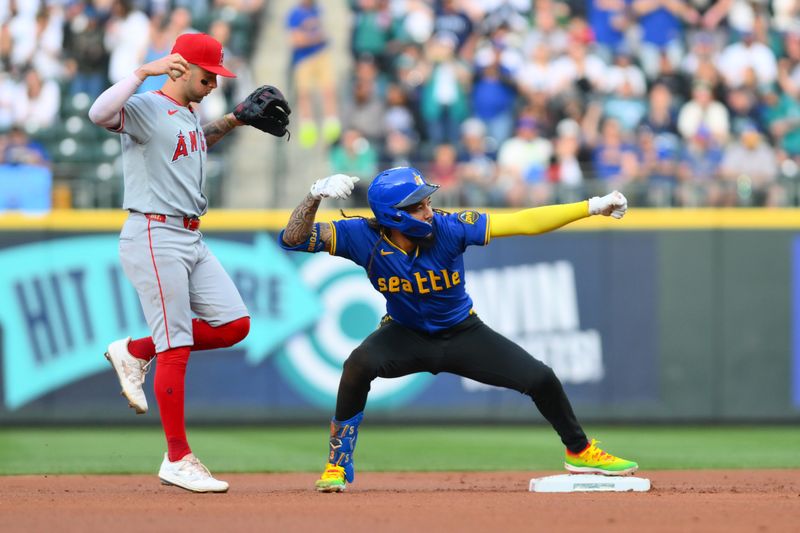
(544, 379)
(360, 363)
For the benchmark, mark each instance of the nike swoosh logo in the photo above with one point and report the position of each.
(172, 111)
(385, 252)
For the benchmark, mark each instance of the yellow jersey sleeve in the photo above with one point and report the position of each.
(537, 220)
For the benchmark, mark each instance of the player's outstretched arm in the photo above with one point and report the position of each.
(216, 130)
(543, 219)
(300, 227)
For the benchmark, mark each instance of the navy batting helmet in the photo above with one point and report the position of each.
(394, 189)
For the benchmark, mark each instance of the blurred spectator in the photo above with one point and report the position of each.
(25, 177)
(782, 114)
(9, 99)
(443, 172)
(443, 102)
(399, 150)
(399, 114)
(477, 169)
(661, 116)
(785, 14)
(535, 73)
(372, 26)
(86, 57)
(565, 169)
(744, 113)
(626, 106)
(354, 155)
(546, 30)
(703, 51)
(748, 62)
(671, 76)
(749, 169)
(126, 38)
(703, 112)
(511, 14)
(413, 24)
(699, 171)
(451, 18)
(39, 45)
(609, 19)
(493, 97)
(522, 164)
(789, 66)
(662, 36)
(34, 38)
(578, 70)
(659, 154)
(18, 148)
(361, 110)
(313, 72)
(711, 12)
(38, 103)
(614, 157)
(160, 45)
(624, 71)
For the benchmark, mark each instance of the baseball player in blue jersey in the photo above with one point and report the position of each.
(413, 256)
(161, 248)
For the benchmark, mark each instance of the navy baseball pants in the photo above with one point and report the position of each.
(470, 349)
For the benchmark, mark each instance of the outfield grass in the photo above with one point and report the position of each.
(269, 449)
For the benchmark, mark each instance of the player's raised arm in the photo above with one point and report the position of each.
(105, 110)
(543, 219)
(301, 233)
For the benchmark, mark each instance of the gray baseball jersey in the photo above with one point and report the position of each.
(164, 257)
(164, 156)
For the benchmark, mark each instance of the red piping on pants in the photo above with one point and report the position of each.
(158, 279)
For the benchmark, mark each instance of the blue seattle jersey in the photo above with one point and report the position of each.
(423, 290)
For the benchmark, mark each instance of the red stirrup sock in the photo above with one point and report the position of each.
(169, 389)
(142, 348)
(206, 337)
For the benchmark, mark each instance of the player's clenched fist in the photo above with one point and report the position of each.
(614, 204)
(336, 186)
(173, 65)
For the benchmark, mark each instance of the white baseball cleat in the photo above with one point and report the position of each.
(190, 474)
(131, 372)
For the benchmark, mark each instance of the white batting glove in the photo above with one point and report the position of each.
(614, 204)
(336, 186)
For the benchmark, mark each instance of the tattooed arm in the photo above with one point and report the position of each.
(301, 223)
(214, 131)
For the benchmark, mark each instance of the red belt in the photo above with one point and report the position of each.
(190, 223)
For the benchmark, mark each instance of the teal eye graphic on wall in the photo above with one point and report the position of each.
(312, 361)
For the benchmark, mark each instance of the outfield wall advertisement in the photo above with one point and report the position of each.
(639, 325)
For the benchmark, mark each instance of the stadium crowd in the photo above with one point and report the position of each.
(501, 102)
(56, 56)
(525, 102)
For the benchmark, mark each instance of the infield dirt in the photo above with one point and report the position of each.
(701, 500)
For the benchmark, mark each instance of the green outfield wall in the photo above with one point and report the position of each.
(666, 316)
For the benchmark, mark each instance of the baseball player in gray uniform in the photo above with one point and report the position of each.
(161, 248)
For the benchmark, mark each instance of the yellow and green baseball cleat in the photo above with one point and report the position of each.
(593, 460)
(332, 479)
